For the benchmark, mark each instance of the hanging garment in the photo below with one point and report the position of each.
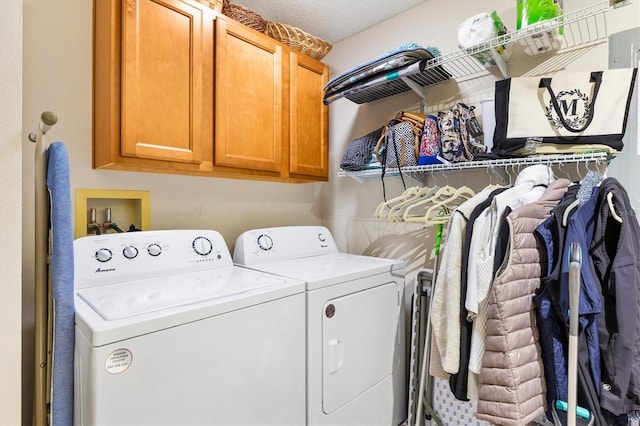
(483, 242)
(459, 382)
(587, 184)
(445, 307)
(480, 270)
(512, 387)
(476, 296)
(552, 323)
(553, 334)
(615, 253)
(580, 230)
(486, 227)
(553, 330)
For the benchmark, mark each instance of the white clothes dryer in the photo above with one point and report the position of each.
(355, 323)
(170, 332)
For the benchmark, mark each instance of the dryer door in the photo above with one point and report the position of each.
(359, 332)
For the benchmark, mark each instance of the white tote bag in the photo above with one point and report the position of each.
(566, 108)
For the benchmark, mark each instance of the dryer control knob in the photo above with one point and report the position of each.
(202, 246)
(154, 250)
(265, 242)
(130, 252)
(103, 255)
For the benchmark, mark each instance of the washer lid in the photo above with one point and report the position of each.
(125, 300)
(331, 269)
(116, 312)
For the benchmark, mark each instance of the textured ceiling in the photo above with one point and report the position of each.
(331, 20)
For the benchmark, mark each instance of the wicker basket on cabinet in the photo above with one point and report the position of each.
(298, 39)
(243, 15)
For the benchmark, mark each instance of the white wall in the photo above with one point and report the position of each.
(11, 143)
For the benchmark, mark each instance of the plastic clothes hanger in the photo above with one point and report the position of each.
(461, 195)
(407, 198)
(441, 194)
(441, 211)
(561, 169)
(612, 208)
(437, 215)
(383, 208)
(396, 212)
(491, 186)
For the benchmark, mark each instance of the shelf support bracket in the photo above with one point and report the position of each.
(503, 66)
(419, 90)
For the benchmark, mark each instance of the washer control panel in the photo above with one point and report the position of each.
(114, 258)
(282, 243)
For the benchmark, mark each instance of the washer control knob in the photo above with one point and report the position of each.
(103, 255)
(321, 237)
(265, 242)
(154, 250)
(130, 252)
(202, 246)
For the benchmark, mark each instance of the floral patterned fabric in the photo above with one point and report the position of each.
(429, 142)
(460, 134)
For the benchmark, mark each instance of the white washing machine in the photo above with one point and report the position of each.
(169, 331)
(355, 323)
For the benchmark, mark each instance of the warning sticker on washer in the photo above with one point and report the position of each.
(118, 361)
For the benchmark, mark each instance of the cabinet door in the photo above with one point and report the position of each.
(308, 118)
(249, 99)
(162, 80)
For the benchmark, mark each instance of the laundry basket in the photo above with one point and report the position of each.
(298, 39)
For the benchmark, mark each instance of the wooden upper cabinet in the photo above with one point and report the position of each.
(162, 80)
(179, 88)
(153, 86)
(308, 120)
(269, 110)
(250, 92)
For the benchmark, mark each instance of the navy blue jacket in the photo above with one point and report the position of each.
(552, 308)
